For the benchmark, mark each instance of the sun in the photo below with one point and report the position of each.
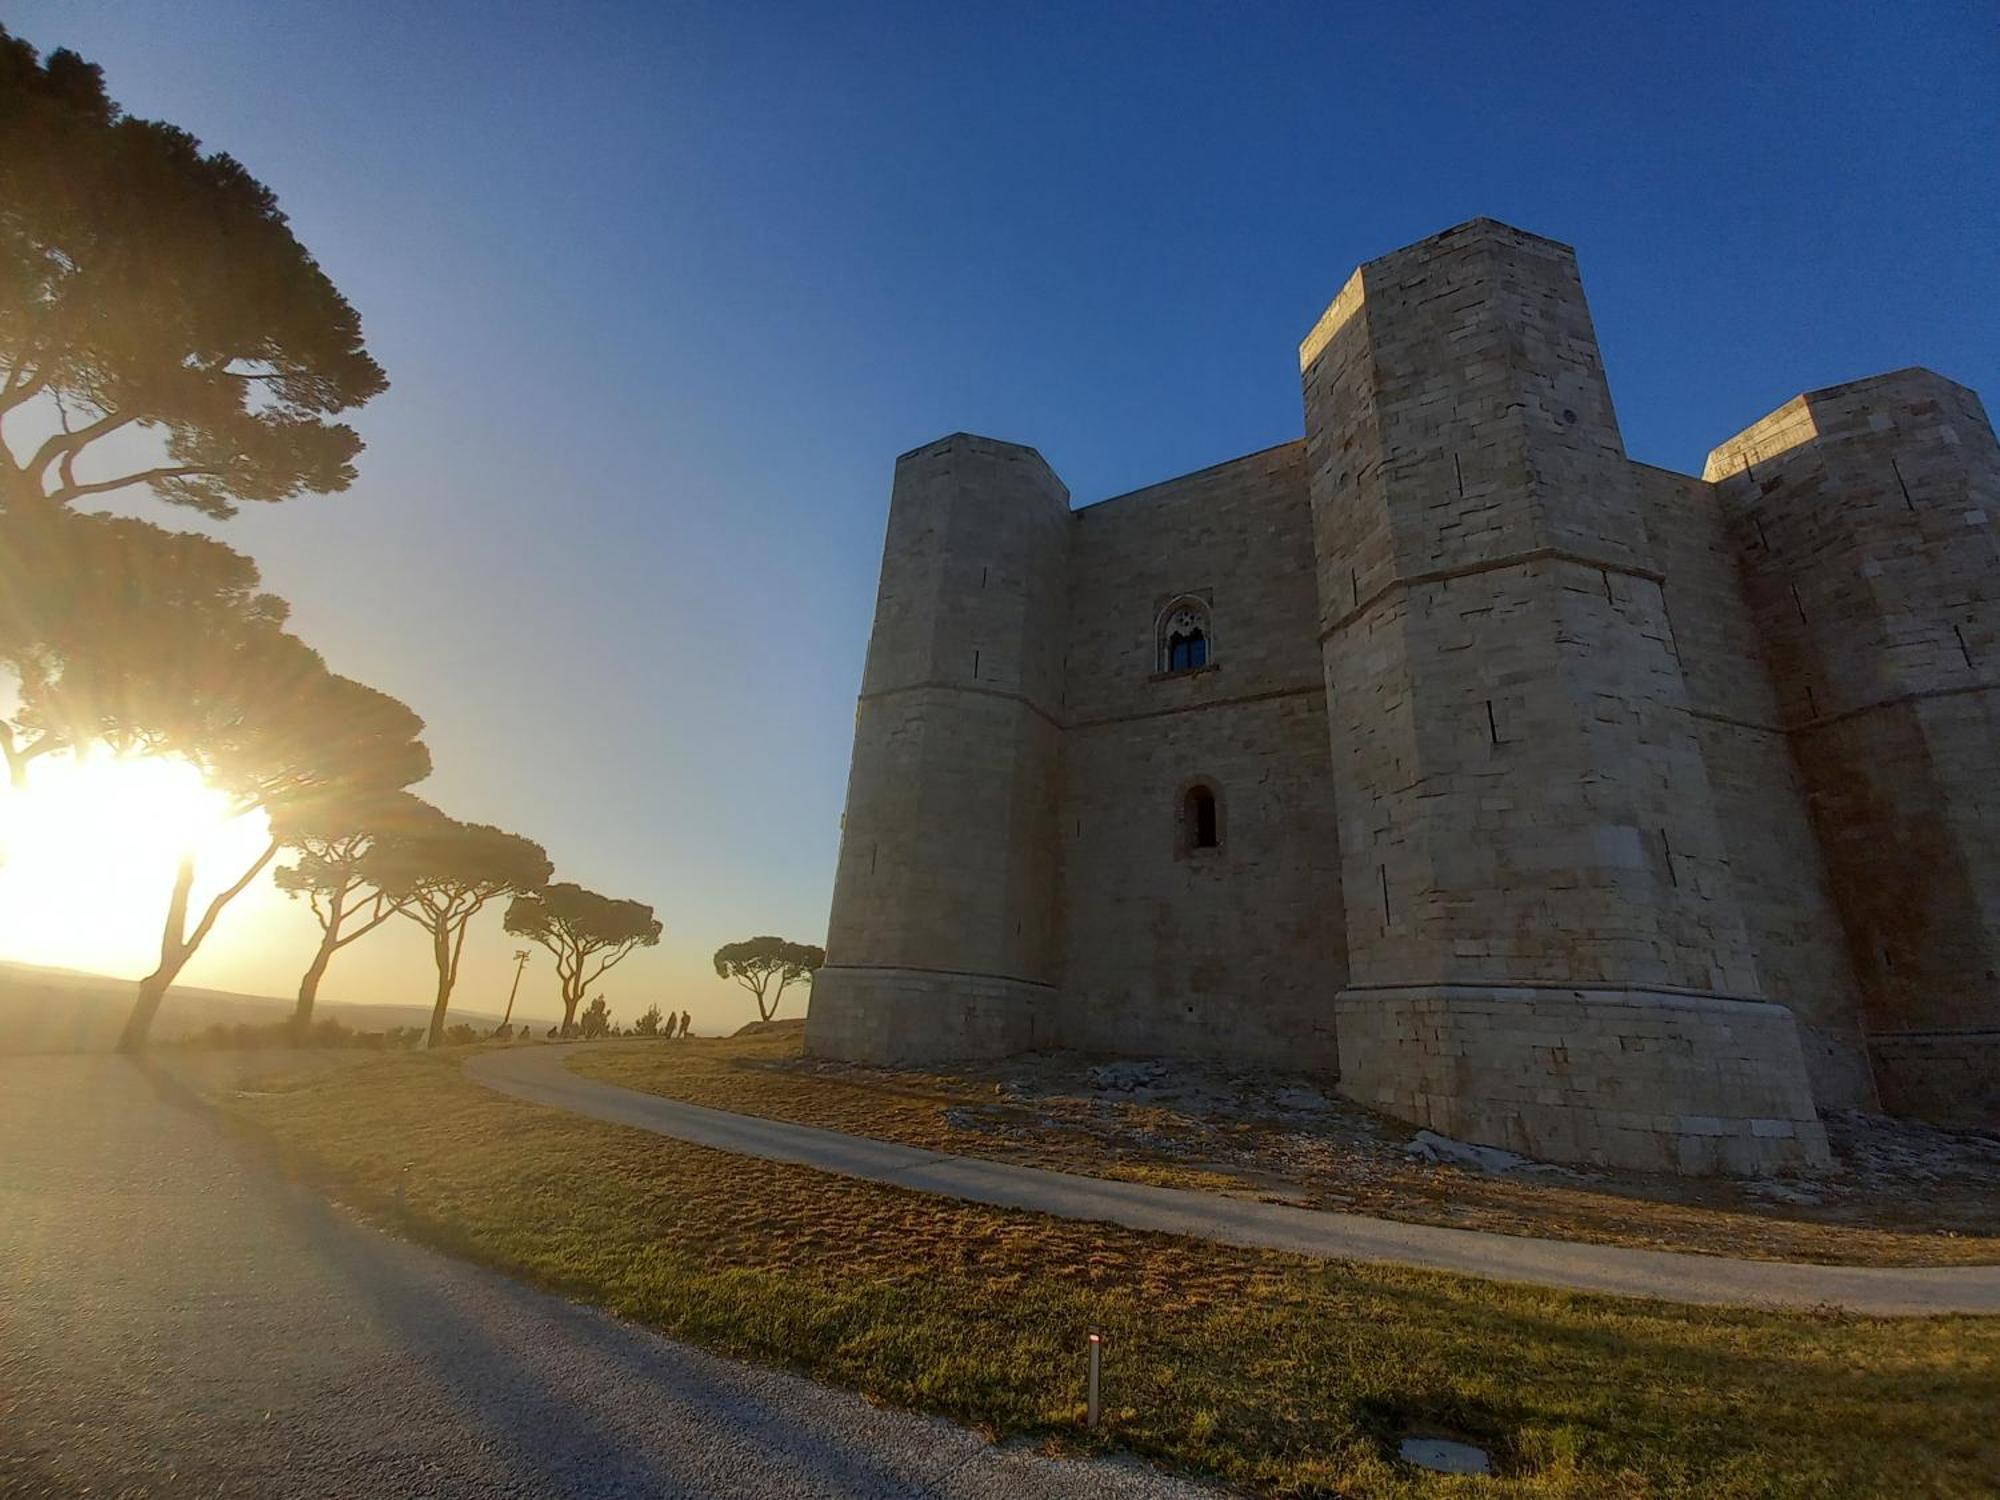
(88, 852)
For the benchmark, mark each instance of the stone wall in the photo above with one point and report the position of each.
(1865, 518)
(1522, 791)
(1522, 794)
(947, 861)
(1659, 1082)
(1780, 876)
(1226, 953)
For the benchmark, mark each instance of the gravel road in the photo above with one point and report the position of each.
(176, 1320)
(541, 1075)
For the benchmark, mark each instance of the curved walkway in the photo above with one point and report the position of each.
(541, 1076)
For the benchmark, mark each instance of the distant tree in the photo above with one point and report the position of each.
(459, 1034)
(586, 932)
(440, 874)
(145, 285)
(648, 1023)
(332, 844)
(756, 962)
(596, 1020)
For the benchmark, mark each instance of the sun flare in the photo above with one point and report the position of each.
(88, 851)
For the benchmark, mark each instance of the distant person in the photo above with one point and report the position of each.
(686, 1020)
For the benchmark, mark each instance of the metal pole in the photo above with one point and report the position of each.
(1096, 1349)
(520, 963)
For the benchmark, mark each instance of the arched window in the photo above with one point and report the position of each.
(1200, 819)
(1185, 639)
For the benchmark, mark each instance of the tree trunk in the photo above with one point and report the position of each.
(570, 1003)
(302, 1013)
(17, 766)
(441, 950)
(174, 951)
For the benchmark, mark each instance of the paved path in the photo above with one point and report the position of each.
(175, 1320)
(540, 1074)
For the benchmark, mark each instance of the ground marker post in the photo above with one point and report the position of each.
(1096, 1350)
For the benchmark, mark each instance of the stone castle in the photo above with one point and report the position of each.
(1545, 798)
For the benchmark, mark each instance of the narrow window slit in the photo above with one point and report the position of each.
(1382, 871)
(1202, 829)
(1963, 650)
(1903, 485)
(1667, 845)
(1492, 727)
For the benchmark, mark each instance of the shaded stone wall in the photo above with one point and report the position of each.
(1226, 953)
(1780, 876)
(1522, 794)
(1524, 803)
(1864, 516)
(942, 937)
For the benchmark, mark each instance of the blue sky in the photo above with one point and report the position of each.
(663, 290)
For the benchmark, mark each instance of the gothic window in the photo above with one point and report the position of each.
(1185, 638)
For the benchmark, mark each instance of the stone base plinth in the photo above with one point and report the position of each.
(1618, 1078)
(923, 1016)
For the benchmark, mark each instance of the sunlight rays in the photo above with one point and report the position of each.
(88, 851)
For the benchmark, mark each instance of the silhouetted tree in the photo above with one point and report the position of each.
(332, 845)
(586, 932)
(596, 1020)
(145, 285)
(271, 727)
(648, 1023)
(441, 873)
(755, 962)
(99, 614)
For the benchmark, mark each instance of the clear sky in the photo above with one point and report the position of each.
(664, 288)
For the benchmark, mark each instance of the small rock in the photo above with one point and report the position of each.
(1444, 1456)
(1428, 1145)
(1124, 1077)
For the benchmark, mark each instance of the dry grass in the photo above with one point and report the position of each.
(1275, 1373)
(1350, 1167)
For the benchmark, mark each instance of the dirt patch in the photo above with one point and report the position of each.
(1899, 1192)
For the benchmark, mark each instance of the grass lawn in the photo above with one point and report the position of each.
(1282, 1375)
(761, 1075)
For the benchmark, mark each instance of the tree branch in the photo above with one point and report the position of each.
(14, 393)
(215, 906)
(67, 442)
(148, 476)
(376, 918)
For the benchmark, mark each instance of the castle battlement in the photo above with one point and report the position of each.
(1546, 798)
